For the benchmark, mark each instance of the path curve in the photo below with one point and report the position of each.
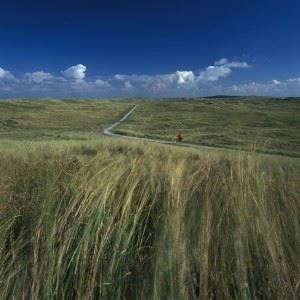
(108, 131)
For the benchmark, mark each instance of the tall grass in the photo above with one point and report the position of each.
(123, 221)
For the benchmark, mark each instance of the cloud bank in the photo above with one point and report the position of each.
(74, 82)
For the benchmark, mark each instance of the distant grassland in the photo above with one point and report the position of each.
(56, 120)
(271, 125)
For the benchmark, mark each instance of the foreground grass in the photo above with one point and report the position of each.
(273, 125)
(117, 220)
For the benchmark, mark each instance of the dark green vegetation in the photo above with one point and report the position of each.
(90, 217)
(52, 120)
(270, 125)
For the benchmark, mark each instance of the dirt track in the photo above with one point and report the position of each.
(108, 131)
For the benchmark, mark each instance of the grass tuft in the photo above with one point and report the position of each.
(118, 220)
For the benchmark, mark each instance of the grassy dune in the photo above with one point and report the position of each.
(117, 220)
(57, 120)
(273, 125)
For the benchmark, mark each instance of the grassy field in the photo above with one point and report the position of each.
(271, 125)
(90, 217)
(116, 220)
(57, 120)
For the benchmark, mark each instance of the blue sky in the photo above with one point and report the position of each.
(149, 48)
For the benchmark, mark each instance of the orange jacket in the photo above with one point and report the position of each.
(179, 136)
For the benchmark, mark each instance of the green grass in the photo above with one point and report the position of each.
(57, 120)
(120, 220)
(273, 126)
(91, 217)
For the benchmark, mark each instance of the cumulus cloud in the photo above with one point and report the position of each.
(184, 77)
(221, 68)
(44, 84)
(294, 80)
(38, 77)
(272, 88)
(213, 73)
(103, 84)
(75, 72)
(5, 75)
(120, 77)
(73, 83)
(128, 85)
(275, 81)
(221, 61)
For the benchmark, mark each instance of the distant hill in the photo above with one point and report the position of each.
(221, 96)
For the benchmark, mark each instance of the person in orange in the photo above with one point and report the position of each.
(179, 137)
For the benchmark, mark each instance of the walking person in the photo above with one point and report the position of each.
(179, 137)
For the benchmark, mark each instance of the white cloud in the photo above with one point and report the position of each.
(103, 84)
(232, 64)
(221, 61)
(276, 82)
(213, 73)
(120, 77)
(294, 80)
(272, 88)
(38, 77)
(128, 85)
(184, 77)
(179, 83)
(134, 77)
(237, 64)
(6, 75)
(75, 72)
